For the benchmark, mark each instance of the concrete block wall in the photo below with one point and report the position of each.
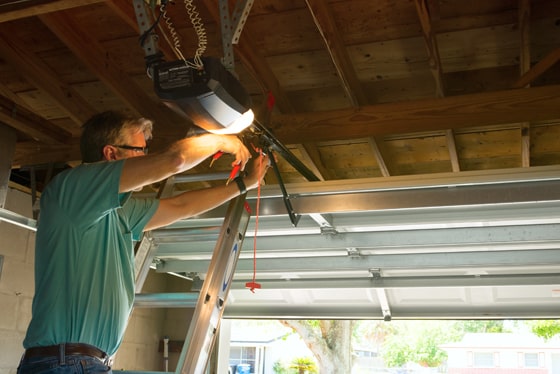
(146, 328)
(16, 282)
(177, 320)
(139, 350)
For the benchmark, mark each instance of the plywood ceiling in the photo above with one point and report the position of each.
(361, 89)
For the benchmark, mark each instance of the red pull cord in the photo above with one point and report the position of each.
(253, 284)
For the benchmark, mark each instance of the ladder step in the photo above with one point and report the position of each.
(166, 300)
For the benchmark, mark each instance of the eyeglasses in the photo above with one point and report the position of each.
(144, 150)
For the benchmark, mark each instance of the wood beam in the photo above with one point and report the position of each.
(538, 69)
(98, 60)
(125, 10)
(24, 120)
(335, 46)
(424, 11)
(312, 158)
(255, 63)
(524, 67)
(252, 60)
(8, 94)
(33, 69)
(374, 143)
(431, 45)
(482, 109)
(425, 15)
(24, 9)
(7, 147)
(33, 153)
(452, 147)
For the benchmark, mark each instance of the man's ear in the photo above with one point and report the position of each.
(109, 153)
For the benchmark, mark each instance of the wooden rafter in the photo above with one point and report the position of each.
(524, 67)
(32, 153)
(452, 149)
(337, 51)
(255, 63)
(39, 74)
(312, 158)
(24, 120)
(92, 54)
(349, 81)
(376, 147)
(483, 109)
(23, 9)
(538, 69)
(454, 112)
(425, 15)
(125, 10)
(431, 45)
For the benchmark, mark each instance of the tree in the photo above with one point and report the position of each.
(299, 365)
(546, 329)
(304, 365)
(418, 342)
(372, 333)
(330, 342)
(479, 326)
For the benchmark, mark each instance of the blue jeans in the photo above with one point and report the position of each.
(78, 364)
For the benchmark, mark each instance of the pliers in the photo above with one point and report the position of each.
(234, 170)
(216, 156)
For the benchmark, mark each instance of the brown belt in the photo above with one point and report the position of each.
(68, 349)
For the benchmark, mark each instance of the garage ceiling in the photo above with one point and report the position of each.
(431, 129)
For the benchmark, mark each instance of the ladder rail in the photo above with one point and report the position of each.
(206, 319)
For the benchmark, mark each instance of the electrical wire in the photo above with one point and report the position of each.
(176, 41)
(198, 27)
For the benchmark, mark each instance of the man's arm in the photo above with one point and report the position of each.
(191, 203)
(181, 156)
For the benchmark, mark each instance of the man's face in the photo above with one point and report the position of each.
(135, 147)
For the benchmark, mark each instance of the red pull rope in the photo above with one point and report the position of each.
(253, 284)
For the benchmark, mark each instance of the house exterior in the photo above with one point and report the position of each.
(503, 353)
(260, 344)
(256, 346)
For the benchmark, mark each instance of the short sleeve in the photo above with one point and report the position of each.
(89, 191)
(138, 213)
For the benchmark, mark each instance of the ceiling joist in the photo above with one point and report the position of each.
(13, 10)
(337, 51)
(454, 112)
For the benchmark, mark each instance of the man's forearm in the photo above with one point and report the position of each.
(191, 203)
(181, 156)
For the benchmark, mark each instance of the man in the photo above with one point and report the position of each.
(84, 264)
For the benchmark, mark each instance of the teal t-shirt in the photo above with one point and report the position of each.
(84, 258)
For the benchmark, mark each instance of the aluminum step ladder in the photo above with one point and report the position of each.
(209, 309)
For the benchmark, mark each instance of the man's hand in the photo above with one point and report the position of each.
(194, 202)
(231, 144)
(258, 170)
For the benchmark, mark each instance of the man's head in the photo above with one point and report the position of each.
(112, 135)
